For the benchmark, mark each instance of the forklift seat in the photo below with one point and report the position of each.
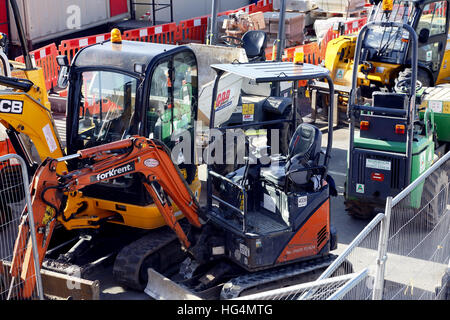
(304, 152)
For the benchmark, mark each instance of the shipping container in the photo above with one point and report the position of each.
(49, 19)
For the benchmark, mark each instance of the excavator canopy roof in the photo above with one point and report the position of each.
(274, 71)
(121, 56)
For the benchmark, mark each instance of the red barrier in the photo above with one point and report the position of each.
(45, 58)
(264, 5)
(193, 30)
(166, 33)
(72, 46)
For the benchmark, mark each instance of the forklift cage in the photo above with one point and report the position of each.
(354, 109)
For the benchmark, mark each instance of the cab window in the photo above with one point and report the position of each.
(159, 113)
(173, 90)
(184, 91)
(107, 106)
(433, 22)
(433, 18)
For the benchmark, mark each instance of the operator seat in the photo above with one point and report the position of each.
(304, 152)
(254, 43)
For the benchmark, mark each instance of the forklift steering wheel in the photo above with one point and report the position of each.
(231, 41)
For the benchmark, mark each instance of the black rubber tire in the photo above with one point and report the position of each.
(434, 197)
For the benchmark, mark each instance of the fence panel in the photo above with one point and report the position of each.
(72, 46)
(165, 33)
(193, 30)
(326, 289)
(14, 197)
(418, 242)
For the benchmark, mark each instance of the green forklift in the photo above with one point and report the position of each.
(392, 142)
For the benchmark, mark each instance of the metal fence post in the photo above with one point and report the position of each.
(26, 183)
(14, 179)
(377, 293)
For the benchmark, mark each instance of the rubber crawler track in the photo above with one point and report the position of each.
(129, 260)
(234, 287)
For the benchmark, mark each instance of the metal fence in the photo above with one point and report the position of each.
(402, 254)
(14, 198)
(415, 250)
(326, 289)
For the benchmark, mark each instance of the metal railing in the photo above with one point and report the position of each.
(402, 254)
(326, 289)
(414, 248)
(154, 6)
(14, 198)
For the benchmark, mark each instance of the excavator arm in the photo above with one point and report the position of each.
(49, 191)
(21, 113)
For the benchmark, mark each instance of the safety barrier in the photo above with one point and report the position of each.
(414, 249)
(166, 33)
(14, 196)
(72, 46)
(45, 58)
(193, 30)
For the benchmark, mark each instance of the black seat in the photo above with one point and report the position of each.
(254, 43)
(304, 152)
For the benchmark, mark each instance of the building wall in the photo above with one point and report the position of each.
(186, 9)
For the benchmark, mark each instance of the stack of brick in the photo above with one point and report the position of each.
(238, 24)
(340, 5)
(293, 28)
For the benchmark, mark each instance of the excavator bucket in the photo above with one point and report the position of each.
(162, 288)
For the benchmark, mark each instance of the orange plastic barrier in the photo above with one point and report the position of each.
(72, 46)
(45, 58)
(193, 30)
(166, 33)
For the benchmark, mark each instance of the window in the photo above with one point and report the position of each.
(433, 18)
(173, 92)
(184, 90)
(159, 114)
(107, 106)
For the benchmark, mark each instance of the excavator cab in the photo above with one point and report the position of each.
(118, 90)
(386, 53)
(268, 221)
